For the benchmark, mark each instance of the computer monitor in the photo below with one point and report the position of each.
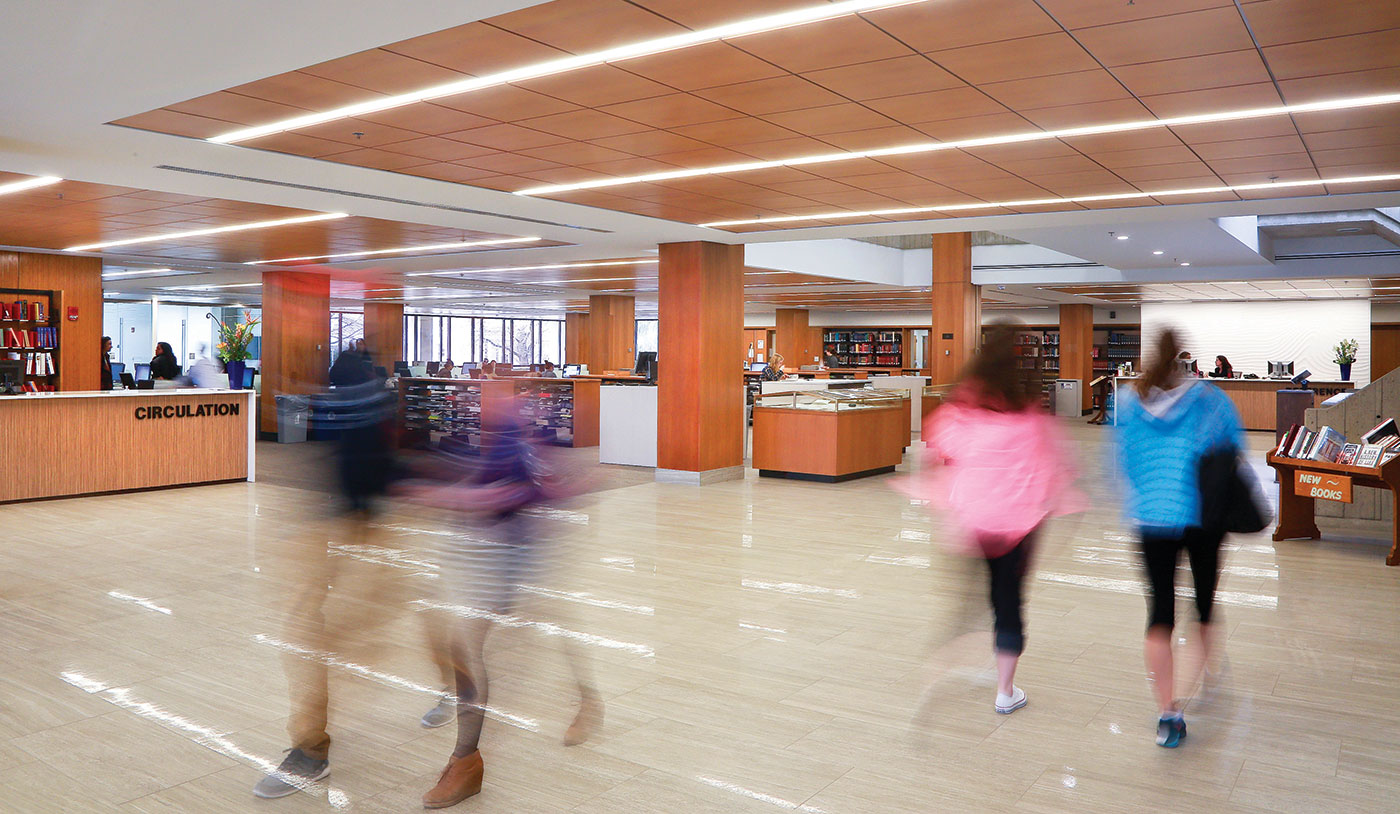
(433, 368)
(757, 367)
(1188, 366)
(11, 375)
(251, 373)
(143, 371)
(117, 369)
(1280, 370)
(400, 367)
(380, 372)
(644, 360)
(127, 381)
(572, 370)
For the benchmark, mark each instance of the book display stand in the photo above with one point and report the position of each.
(1301, 482)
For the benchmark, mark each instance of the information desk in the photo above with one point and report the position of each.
(82, 443)
(829, 436)
(1256, 399)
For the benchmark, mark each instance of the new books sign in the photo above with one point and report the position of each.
(1322, 485)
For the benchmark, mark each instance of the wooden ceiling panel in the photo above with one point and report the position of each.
(175, 124)
(958, 23)
(871, 138)
(887, 77)
(1053, 118)
(1346, 139)
(235, 107)
(1063, 89)
(384, 71)
(596, 86)
(1076, 14)
(1194, 33)
(379, 159)
(828, 44)
(581, 26)
(773, 95)
(650, 142)
(578, 154)
(942, 105)
(1235, 97)
(715, 12)
(1359, 52)
(1230, 131)
(303, 90)
(1339, 85)
(1042, 55)
(297, 144)
(436, 148)
(732, 132)
(428, 119)
(724, 65)
(1269, 164)
(1194, 73)
(672, 111)
(842, 118)
(507, 103)
(475, 48)
(1242, 148)
(358, 133)
(998, 124)
(1278, 22)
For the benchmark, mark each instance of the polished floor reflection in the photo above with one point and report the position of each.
(762, 646)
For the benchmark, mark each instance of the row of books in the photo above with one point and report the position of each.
(24, 310)
(1378, 446)
(39, 364)
(32, 338)
(863, 336)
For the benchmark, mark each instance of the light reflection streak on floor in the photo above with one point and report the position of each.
(1133, 560)
(1132, 586)
(213, 740)
(388, 679)
(798, 588)
(908, 562)
(584, 598)
(379, 555)
(141, 601)
(547, 628)
(757, 795)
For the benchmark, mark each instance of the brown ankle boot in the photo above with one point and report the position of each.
(588, 721)
(460, 780)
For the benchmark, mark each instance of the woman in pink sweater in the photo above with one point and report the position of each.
(995, 464)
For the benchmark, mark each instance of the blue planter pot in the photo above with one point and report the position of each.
(235, 374)
(1346, 371)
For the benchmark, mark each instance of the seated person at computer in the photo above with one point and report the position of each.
(349, 368)
(830, 360)
(164, 364)
(774, 371)
(446, 371)
(488, 369)
(106, 369)
(549, 372)
(1223, 369)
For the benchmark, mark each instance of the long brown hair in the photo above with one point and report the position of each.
(1163, 368)
(992, 380)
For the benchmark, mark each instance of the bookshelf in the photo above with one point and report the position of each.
(865, 347)
(29, 335)
(1038, 357)
(1114, 345)
(563, 412)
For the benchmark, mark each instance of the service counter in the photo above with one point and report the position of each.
(627, 425)
(1257, 399)
(81, 443)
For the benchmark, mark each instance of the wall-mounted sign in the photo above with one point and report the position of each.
(947, 336)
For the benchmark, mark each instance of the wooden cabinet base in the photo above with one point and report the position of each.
(768, 473)
(829, 446)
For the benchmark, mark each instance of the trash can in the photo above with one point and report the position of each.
(1067, 399)
(293, 416)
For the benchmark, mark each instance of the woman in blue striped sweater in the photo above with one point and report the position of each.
(1166, 424)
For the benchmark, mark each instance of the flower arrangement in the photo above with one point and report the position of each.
(234, 339)
(1345, 351)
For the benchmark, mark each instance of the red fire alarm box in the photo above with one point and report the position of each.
(72, 313)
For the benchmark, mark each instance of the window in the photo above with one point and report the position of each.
(647, 335)
(551, 342)
(346, 327)
(492, 340)
(523, 341)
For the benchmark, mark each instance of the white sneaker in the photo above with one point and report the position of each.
(1007, 704)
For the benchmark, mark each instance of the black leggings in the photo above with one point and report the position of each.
(1161, 553)
(1007, 573)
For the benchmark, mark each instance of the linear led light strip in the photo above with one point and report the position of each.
(216, 230)
(401, 250)
(1120, 196)
(28, 183)
(789, 19)
(964, 144)
(591, 264)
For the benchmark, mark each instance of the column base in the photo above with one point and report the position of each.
(685, 476)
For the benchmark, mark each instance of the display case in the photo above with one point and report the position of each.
(829, 435)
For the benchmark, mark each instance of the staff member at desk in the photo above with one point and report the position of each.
(774, 371)
(106, 363)
(1223, 369)
(163, 364)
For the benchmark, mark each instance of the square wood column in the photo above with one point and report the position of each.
(793, 338)
(1077, 348)
(700, 406)
(384, 333)
(576, 339)
(957, 307)
(296, 337)
(612, 332)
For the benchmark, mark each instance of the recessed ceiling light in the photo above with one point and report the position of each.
(579, 265)
(1159, 251)
(216, 230)
(401, 250)
(1185, 264)
(1348, 230)
(1120, 196)
(1122, 237)
(985, 141)
(208, 287)
(754, 25)
(28, 183)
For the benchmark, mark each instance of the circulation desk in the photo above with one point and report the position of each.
(82, 443)
(1256, 399)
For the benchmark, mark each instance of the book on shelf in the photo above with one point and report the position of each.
(1349, 453)
(1369, 456)
(1382, 430)
(1300, 439)
(1328, 446)
(1286, 442)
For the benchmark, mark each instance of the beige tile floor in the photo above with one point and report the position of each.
(762, 646)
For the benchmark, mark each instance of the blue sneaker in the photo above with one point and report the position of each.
(1171, 731)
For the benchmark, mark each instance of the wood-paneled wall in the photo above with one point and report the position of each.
(793, 337)
(296, 336)
(957, 307)
(761, 341)
(384, 333)
(1077, 348)
(576, 339)
(77, 282)
(1385, 349)
(612, 332)
(700, 404)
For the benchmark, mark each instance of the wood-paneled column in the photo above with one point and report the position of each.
(1077, 348)
(612, 332)
(793, 338)
(577, 342)
(700, 406)
(957, 307)
(384, 333)
(296, 336)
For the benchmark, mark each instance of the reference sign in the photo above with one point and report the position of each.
(1322, 485)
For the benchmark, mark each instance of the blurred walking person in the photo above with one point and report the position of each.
(1171, 427)
(996, 465)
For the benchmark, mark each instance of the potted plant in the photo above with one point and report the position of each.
(1345, 355)
(234, 340)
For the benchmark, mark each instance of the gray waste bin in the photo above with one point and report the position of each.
(293, 416)
(1067, 399)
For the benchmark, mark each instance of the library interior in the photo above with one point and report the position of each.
(670, 405)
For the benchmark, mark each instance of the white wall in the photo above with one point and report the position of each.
(129, 325)
(1250, 334)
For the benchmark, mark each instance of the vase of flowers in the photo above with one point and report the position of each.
(1345, 356)
(234, 339)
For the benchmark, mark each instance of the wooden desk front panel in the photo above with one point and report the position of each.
(1256, 399)
(828, 443)
(72, 446)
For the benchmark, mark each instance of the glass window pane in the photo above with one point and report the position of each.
(550, 341)
(524, 351)
(647, 335)
(491, 348)
(462, 340)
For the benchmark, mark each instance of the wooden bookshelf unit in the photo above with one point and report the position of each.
(1295, 511)
(558, 411)
(34, 339)
(865, 347)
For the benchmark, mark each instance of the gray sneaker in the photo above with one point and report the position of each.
(297, 772)
(442, 714)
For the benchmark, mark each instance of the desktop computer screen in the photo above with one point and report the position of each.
(1280, 370)
(572, 370)
(757, 367)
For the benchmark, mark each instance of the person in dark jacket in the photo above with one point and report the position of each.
(350, 368)
(106, 370)
(1223, 369)
(164, 365)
